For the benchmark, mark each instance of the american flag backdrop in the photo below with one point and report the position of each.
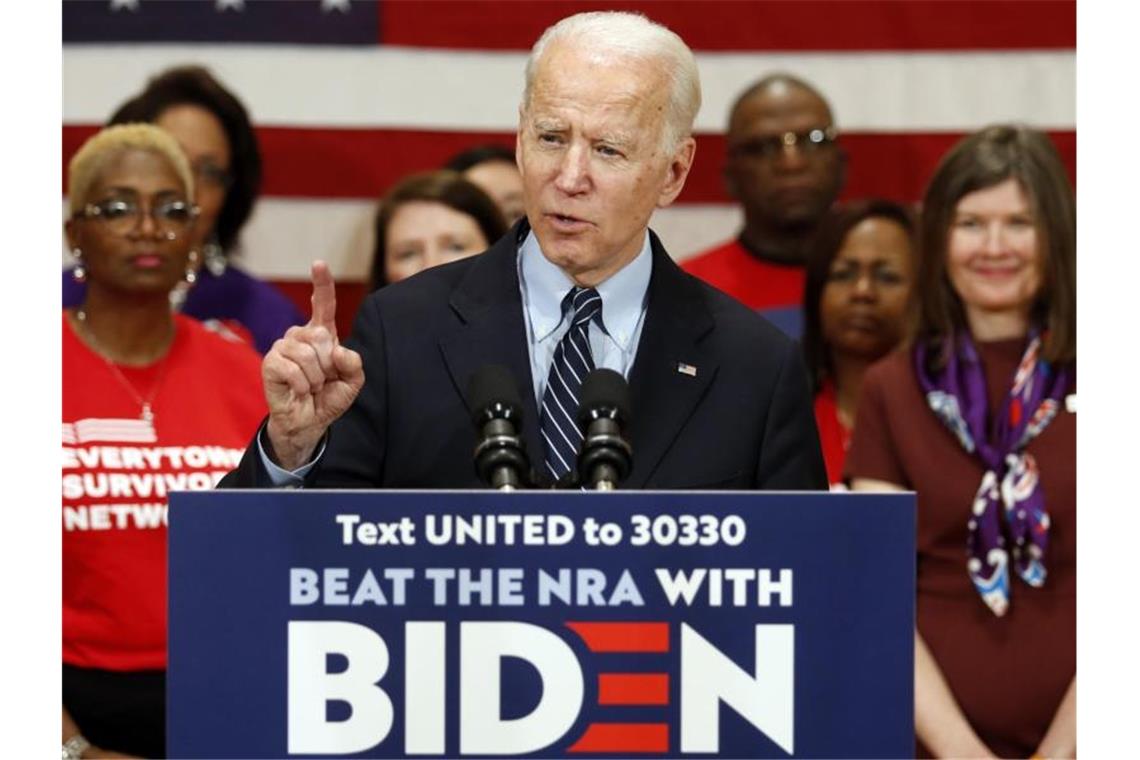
(350, 95)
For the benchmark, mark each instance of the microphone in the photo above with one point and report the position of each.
(603, 413)
(500, 454)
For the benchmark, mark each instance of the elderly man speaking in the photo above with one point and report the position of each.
(719, 397)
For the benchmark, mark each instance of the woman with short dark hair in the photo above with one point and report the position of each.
(214, 130)
(978, 419)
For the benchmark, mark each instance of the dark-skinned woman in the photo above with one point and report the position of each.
(214, 131)
(144, 413)
(859, 276)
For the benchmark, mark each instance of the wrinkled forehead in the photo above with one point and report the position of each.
(780, 107)
(622, 100)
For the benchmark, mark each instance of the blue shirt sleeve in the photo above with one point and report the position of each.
(281, 477)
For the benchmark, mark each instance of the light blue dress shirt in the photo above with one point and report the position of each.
(543, 287)
(624, 297)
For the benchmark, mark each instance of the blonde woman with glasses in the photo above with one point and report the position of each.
(143, 415)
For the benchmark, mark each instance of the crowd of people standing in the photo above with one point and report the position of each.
(939, 340)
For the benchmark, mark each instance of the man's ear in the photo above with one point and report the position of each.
(677, 172)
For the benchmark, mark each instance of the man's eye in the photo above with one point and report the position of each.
(608, 151)
(770, 147)
(549, 139)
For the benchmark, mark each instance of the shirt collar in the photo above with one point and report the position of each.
(623, 293)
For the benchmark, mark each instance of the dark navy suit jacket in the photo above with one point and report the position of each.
(744, 421)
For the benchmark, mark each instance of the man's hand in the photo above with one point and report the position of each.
(310, 379)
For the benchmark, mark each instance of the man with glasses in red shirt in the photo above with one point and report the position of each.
(786, 169)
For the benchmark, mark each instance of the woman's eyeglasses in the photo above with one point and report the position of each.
(121, 216)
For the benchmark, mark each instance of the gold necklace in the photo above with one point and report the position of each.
(147, 409)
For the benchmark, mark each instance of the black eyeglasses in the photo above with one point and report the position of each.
(809, 142)
(122, 216)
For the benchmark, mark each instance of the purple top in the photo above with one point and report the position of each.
(257, 306)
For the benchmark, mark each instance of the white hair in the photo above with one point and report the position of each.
(631, 35)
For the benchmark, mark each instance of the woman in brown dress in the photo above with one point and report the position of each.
(977, 417)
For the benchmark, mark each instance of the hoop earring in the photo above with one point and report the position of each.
(78, 273)
(192, 268)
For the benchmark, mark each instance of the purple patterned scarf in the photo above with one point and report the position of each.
(1010, 487)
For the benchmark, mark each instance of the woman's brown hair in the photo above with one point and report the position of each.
(445, 187)
(979, 161)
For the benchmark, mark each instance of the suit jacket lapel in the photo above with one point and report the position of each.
(663, 386)
(492, 330)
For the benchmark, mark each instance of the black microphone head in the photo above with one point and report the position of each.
(494, 394)
(604, 393)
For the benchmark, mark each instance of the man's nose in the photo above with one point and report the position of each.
(573, 171)
(791, 157)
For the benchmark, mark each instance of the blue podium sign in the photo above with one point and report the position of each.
(540, 624)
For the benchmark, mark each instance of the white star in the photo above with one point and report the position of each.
(119, 5)
(224, 5)
(334, 5)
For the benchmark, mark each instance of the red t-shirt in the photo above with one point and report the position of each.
(774, 290)
(834, 436)
(755, 283)
(118, 469)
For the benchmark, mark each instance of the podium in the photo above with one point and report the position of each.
(540, 624)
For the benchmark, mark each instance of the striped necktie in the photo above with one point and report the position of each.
(572, 362)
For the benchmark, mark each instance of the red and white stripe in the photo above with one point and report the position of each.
(109, 430)
(339, 125)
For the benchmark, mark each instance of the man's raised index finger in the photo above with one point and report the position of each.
(324, 297)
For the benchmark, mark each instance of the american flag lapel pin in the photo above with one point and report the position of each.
(686, 369)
